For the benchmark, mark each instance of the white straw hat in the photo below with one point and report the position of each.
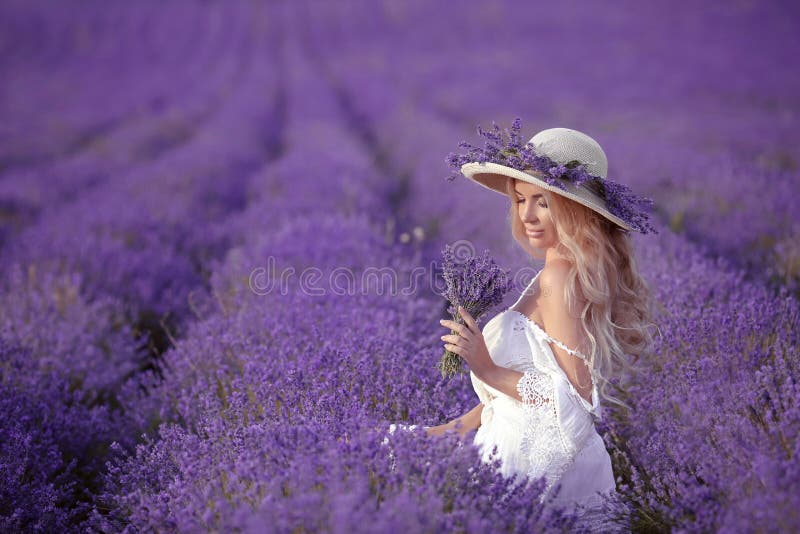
(562, 145)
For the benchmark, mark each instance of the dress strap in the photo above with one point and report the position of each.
(574, 352)
(545, 334)
(526, 289)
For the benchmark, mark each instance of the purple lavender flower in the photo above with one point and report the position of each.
(476, 284)
(620, 200)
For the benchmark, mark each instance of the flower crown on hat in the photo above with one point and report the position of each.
(620, 200)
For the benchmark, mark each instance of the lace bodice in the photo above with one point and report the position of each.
(554, 421)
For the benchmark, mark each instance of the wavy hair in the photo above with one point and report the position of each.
(617, 310)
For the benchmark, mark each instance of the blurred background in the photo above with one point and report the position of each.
(695, 106)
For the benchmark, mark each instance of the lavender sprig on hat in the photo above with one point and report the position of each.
(475, 283)
(509, 150)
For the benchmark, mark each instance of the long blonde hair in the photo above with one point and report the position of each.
(617, 310)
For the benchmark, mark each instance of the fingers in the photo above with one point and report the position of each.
(456, 342)
(453, 339)
(454, 348)
(462, 330)
(468, 319)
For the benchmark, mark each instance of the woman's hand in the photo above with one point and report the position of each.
(468, 343)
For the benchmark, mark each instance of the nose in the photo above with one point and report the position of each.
(529, 215)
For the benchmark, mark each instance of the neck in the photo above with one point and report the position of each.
(553, 255)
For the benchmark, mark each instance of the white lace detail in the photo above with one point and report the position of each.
(546, 436)
(535, 388)
(518, 326)
(542, 443)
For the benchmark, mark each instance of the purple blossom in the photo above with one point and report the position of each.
(505, 150)
(475, 283)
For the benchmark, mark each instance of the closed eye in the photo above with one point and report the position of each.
(521, 200)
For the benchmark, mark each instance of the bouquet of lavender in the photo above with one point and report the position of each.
(475, 283)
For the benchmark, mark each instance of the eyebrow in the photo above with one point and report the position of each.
(537, 195)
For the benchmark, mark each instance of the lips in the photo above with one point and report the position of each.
(534, 233)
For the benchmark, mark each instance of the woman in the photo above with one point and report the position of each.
(541, 367)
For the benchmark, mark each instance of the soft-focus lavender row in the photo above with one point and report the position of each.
(688, 107)
(234, 133)
(99, 273)
(82, 107)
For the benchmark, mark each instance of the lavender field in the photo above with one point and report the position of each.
(192, 193)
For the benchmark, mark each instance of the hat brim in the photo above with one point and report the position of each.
(494, 176)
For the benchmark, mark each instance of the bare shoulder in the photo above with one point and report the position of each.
(556, 272)
(564, 328)
(552, 281)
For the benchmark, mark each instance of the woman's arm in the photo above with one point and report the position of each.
(560, 323)
(469, 421)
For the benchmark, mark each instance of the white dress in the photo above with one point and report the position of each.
(551, 433)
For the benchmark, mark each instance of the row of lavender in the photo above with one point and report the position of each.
(115, 185)
(91, 271)
(280, 407)
(696, 108)
(309, 476)
(720, 452)
(274, 402)
(82, 106)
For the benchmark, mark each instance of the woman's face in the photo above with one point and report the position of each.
(535, 215)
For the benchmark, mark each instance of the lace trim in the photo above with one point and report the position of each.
(543, 444)
(535, 388)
